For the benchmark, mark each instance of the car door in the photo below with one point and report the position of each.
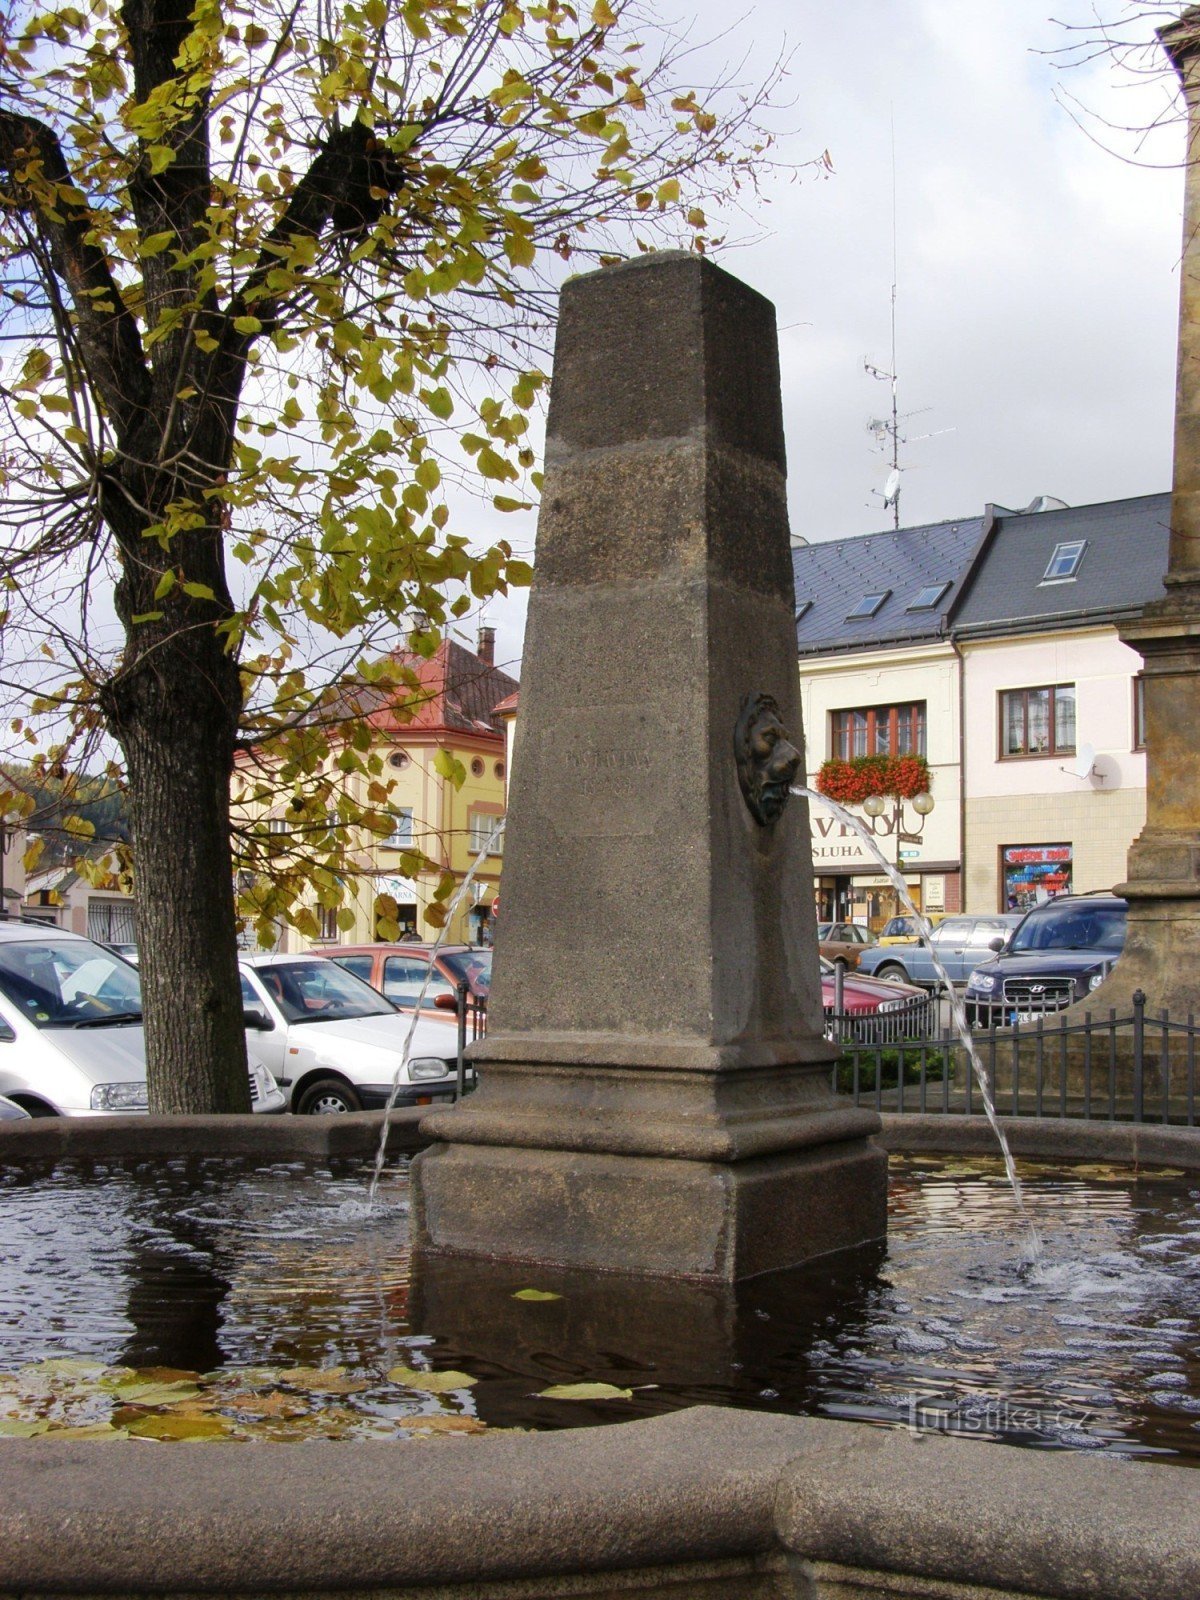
(268, 1044)
(952, 943)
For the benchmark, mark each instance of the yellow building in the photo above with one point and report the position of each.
(453, 713)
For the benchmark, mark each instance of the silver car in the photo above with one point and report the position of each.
(71, 1041)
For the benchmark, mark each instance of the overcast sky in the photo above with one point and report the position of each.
(1037, 274)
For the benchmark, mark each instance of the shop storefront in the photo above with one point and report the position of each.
(1032, 873)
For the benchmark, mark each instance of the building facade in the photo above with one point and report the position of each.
(1011, 682)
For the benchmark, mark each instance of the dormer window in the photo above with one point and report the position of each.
(803, 607)
(1064, 563)
(928, 597)
(868, 605)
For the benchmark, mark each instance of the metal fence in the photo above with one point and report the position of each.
(1130, 1067)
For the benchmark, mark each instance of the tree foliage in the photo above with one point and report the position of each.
(275, 280)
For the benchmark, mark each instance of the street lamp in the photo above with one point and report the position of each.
(876, 804)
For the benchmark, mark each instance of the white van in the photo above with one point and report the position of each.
(71, 1041)
(335, 1044)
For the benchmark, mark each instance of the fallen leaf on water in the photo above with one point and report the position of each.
(156, 1394)
(87, 1430)
(536, 1294)
(445, 1425)
(67, 1367)
(431, 1382)
(266, 1405)
(322, 1380)
(168, 1427)
(15, 1428)
(585, 1391)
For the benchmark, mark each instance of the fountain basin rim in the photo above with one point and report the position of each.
(653, 1497)
(357, 1135)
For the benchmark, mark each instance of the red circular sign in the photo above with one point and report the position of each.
(496, 906)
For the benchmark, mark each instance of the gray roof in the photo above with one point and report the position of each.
(836, 575)
(1122, 566)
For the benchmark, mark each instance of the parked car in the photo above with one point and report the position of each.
(71, 1041)
(907, 930)
(960, 944)
(843, 941)
(399, 971)
(873, 1011)
(1058, 953)
(335, 1044)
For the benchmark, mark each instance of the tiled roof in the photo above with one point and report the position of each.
(454, 692)
(1121, 568)
(834, 577)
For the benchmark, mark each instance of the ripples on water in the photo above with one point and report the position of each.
(291, 1296)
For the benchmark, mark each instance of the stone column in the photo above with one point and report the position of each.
(1162, 952)
(654, 1082)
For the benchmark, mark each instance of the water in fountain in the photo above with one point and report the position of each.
(958, 1015)
(451, 912)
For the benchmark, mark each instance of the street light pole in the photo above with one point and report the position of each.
(876, 804)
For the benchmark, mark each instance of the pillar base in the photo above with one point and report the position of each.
(708, 1221)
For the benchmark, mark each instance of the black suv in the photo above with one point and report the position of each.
(1057, 954)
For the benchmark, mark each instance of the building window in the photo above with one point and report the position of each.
(111, 922)
(1064, 563)
(928, 597)
(498, 769)
(1139, 712)
(327, 922)
(879, 731)
(401, 836)
(477, 767)
(868, 605)
(1037, 722)
(1032, 873)
(399, 760)
(479, 828)
(278, 825)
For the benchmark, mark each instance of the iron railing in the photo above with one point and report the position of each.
(1128, 1067)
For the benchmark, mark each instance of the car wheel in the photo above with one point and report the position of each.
(35, 1108)
(328, 1097)
(891, 972)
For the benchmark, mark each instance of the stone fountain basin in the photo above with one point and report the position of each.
(704, 1502)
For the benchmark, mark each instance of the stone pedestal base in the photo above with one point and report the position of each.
(704, 1220)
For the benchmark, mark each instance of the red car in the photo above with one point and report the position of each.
(874, 1011)
(399, 971)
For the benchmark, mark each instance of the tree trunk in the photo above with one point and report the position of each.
(175, 714)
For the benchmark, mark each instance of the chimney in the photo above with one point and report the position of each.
(486, 649)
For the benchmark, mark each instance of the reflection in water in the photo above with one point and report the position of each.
(294, 1296)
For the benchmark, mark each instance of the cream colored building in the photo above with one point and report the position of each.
(1026, 701)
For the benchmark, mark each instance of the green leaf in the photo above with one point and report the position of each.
(439, 402)
(160, 157)
(15, 1428)
(198, 591)
(448, 767)
(169, 1427)
(431, 1382)
(165, 584)
(536, 1294)
(247, 325)
(137, 1393)
(585, 1391)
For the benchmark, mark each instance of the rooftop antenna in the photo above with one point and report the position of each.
(886, 430)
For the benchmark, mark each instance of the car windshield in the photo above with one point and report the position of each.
(320, 991)
(898, 926)
(69, 983)
(1072, 926)
(473, 965)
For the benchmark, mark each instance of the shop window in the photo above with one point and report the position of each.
(1139, 712)
(1037, 722)
(879, 731)
(1031, 873)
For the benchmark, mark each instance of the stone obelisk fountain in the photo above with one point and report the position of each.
(654, 1085)
(1162, 951)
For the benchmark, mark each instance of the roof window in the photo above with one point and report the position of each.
(928, 597)
(803, 607)
(868, 605)
(1064, 563)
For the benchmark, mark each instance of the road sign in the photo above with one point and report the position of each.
(496, 906)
